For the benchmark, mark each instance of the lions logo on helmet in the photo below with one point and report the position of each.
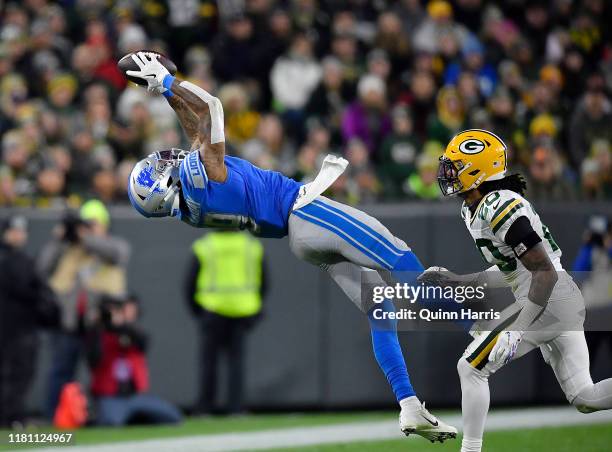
(153, 185)
(471, 158)
(145, 180)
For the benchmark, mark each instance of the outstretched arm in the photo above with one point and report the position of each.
(200, 113)
(204, 124)
(188, 120)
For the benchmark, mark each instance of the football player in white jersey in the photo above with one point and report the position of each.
(549, 309)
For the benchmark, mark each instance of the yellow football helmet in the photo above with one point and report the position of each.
(472, 157)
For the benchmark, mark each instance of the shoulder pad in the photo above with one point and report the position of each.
(496, 205)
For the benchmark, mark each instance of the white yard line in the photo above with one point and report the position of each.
(340, 433)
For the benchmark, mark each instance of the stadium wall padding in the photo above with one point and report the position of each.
(312, 348)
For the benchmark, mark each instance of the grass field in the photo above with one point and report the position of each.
(586, 438)
(597, 438)
(216, 424)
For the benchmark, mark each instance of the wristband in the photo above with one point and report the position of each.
(167, 83)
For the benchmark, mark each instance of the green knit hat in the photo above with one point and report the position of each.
(95, 210)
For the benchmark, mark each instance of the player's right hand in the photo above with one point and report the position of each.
(506, 346)
(151, 71)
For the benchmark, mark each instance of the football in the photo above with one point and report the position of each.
(127, 64)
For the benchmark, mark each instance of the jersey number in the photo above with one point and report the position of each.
(548, 236)
(506, 264)
(492, 198)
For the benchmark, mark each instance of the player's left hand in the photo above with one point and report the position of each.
(506, 346)
(151, 71)
(438, 275)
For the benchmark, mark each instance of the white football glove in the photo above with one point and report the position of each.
(505, 348)
(151, 71)
(436, 275)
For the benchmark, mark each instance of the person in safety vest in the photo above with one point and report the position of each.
(225, 287)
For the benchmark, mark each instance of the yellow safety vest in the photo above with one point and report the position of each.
(229, 280)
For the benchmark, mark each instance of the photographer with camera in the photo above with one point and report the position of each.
(116, 348)
(83, 262)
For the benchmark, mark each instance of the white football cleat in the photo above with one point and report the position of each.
(421, 422)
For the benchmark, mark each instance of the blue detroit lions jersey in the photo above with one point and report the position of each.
(250, 198)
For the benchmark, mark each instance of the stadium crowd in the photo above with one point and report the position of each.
(384, 83)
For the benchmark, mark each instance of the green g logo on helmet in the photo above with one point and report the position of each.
(471, 146)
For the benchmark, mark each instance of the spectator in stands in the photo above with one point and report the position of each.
(393, 39)
(546, 180)
(237, 39)
(378, 64)
(82, 263)
(311, 155)
(590, 121)
(367, 119)
(438, 22)
(271, 148)
(399, 154)
(449, 118)
(330, 97)
(59, 84)
(421, 98)
(16, 173)
(344, 47)
(224, 288)
(473, 62)
(293, 78)
(116, 352)
(26, 305)
(423, 183)
(362, 184)
(502, 114)
(240, 119)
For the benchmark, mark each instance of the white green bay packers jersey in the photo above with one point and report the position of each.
(490, 222)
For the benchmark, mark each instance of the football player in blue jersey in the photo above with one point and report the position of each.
(206, 188)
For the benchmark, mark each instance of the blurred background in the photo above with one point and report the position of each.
(384, 83)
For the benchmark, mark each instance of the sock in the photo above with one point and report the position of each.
(474, 402)
(595, 397)
(470, 444)
(409, 262)
(388, 352)
(410, 403)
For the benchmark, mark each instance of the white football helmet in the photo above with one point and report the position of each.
(153, 186)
